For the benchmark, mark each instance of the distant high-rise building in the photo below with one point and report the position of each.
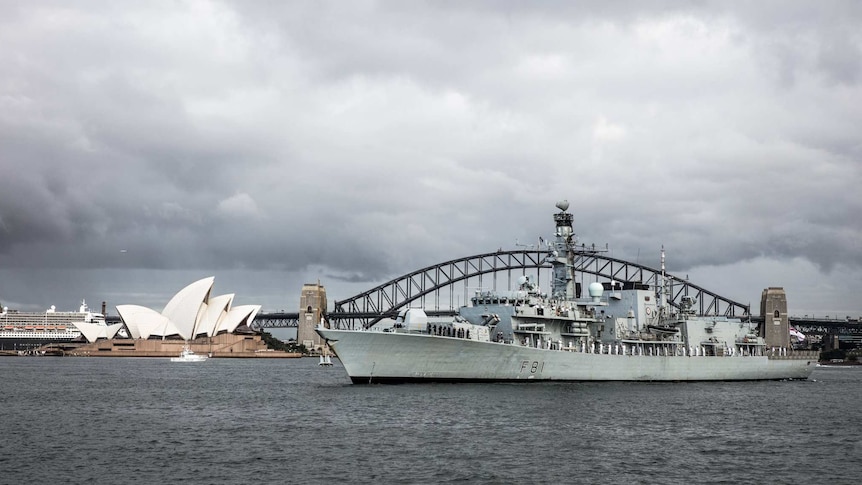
(312, 308)
(776, 325)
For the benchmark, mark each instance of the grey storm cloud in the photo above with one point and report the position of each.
(355, 142)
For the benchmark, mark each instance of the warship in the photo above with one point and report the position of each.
(619, 332)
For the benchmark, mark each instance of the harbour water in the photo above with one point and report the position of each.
(129, 420)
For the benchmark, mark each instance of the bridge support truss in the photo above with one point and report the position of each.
(442, 288)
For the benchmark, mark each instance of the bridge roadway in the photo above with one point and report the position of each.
(822, 326)
(806, 325)
(291, 320)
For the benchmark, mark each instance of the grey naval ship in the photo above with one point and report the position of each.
(619, 332)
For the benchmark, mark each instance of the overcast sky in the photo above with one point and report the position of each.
(145, 145)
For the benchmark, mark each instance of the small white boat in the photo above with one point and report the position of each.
(188, 356)
(325, 360)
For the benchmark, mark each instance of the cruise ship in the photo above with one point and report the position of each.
(27, 331)
(618, 332)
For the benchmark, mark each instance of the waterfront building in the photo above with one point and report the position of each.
(191, 313)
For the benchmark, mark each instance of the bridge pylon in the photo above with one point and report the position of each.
(312, 309)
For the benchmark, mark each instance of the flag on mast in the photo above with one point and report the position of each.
(796, 333)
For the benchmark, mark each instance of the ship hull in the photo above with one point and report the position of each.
(31, 343)
(370, 356)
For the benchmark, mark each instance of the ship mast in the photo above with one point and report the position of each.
(562, 255)
(663, 307)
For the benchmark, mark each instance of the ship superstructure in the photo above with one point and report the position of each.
(617, 332)
(26, 331)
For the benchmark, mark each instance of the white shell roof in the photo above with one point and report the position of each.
(218, 307)
(187, 306)
(191, 312)
(237, 316)
(93, 331)
(141, 321)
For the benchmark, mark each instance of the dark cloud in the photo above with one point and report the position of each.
(353, 143)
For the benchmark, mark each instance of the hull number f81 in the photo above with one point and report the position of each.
(533, 367)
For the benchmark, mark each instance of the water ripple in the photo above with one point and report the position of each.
(102, 420)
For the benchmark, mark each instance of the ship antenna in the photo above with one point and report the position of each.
(662, 264)
(663, 289)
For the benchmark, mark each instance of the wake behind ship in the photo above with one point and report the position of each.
(621, 332)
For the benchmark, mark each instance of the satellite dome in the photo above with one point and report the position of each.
(563, 205)
(415, 320)
(522, 279)
(596, 289)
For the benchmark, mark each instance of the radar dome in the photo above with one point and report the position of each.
(522, 279)
(415, 320)
(563, 205)
(596, 289)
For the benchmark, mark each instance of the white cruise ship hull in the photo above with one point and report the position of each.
(372, 356)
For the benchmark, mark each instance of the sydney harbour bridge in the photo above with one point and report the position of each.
(442, 288)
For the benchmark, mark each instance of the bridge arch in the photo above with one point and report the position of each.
(385, 300)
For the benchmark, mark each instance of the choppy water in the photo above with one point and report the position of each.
(113, 420)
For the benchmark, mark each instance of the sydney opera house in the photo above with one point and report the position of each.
(190, 314)
(208, 324)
